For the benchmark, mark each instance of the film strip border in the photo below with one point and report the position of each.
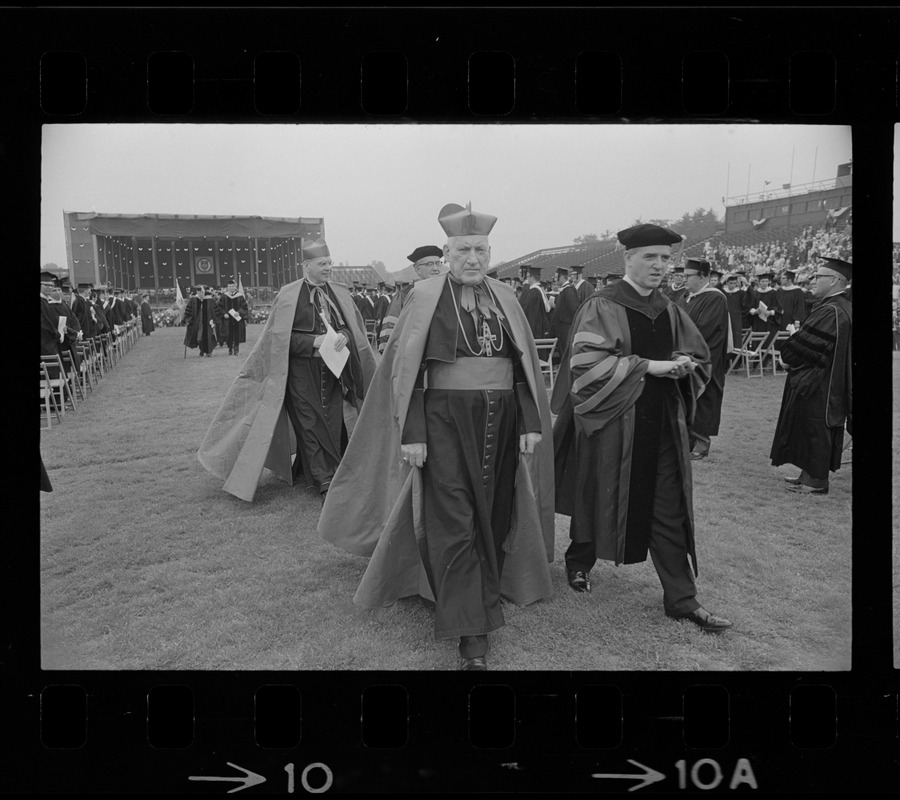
(154, 732)
(395, 733)
(810, 65)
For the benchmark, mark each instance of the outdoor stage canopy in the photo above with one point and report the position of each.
(151, 252)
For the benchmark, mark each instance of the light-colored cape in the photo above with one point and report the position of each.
(374, 506)
(251, 429)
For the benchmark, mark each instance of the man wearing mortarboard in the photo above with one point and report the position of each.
(566, 306)
(235, 313)
(674, 289)
(447, 483)
(286, 399)
(708, 310)
(82, 309)
(818, 390)
(582, 287)
(792, 302)
(625, 397)
(147, 324)
(382, 302)
(426, 263)
(534, 302)
(60, 329)
(762, 307)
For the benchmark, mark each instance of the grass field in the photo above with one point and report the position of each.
(147, 564)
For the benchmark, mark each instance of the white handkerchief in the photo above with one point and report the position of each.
(61, 328)
(334, 359)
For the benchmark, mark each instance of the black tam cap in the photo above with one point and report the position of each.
(840, 266)
(647, 235)
(424, 251)
(702, 266)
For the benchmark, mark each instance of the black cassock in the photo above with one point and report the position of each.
(817, 398)
(469, 473)
(314, 396)
(532, 302)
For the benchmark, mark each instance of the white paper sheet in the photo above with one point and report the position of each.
(334, 359)
(234, 315)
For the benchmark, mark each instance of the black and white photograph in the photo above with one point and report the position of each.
(443, 397)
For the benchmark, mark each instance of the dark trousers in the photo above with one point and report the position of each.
(668, 535)
(234, 335)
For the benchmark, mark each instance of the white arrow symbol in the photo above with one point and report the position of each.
(649, 776)
(251, 778)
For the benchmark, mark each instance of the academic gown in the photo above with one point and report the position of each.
(818, 390)
(147, 324)
(566, 305)
(375, 505)
(197, 316)
(584, 290)
(532, 302)
(51, 313)
(708, 310)
(239, 303)
(251, 430)
(735, 301)
(81, 309)
(605, 439)
(391, 316)
(793, 305)
(752, 299)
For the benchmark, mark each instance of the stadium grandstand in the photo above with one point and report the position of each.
(768, 222)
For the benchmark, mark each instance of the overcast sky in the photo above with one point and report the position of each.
(380, 187)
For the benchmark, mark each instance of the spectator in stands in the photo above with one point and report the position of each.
(624, 401)
(817, 399)
(285, 381)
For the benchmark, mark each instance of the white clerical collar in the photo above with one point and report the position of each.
(639, 289)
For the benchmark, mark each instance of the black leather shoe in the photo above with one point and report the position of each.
(792, 481)
(478, 663)
(802, 488)
(702, 618)
(698, 456)
(579, 581)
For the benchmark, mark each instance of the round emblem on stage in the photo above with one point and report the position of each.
(204, 265)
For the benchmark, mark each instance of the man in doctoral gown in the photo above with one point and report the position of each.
(566, 305)
(625, 399)
(448, 479)
(818, 390)
(426, 263)
(235, 327)
(200, 320)
(285, 399)
(707, 308)
(534, 302)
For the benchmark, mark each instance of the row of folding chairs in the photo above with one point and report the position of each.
(63, 385)
(758, 354)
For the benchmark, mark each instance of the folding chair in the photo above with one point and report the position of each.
(86, 366)
(56, 374)
(547, 346)
(48, 396)
(99, 355)
(370, 331)
(778, 366)
(738, 362)
(109, 350)
(72, 373)
(755, 352)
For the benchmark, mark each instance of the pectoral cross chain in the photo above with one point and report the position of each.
(487, 339)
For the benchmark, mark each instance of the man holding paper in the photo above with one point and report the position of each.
(235, 311)
(312, 356)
